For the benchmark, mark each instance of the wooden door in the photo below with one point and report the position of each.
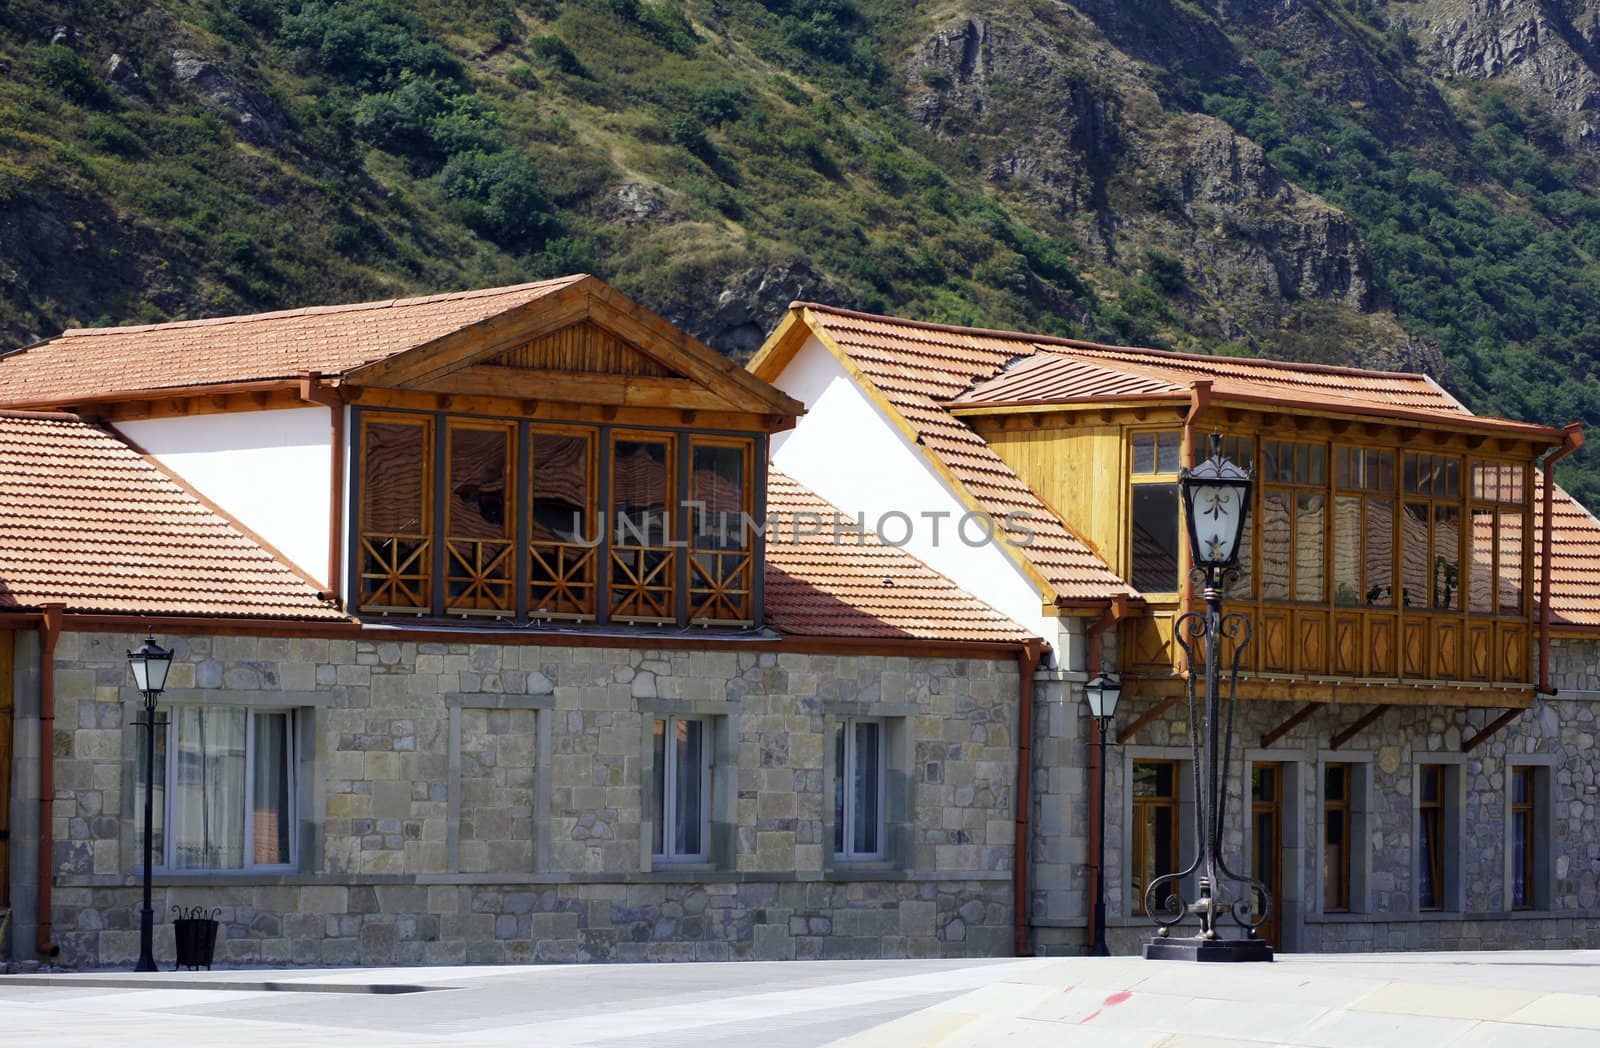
(1266, 844)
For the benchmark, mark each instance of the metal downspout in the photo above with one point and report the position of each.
(49, 632)
(1573, 442)
(1028, 659)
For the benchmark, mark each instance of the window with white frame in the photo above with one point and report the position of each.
(858, 790)
(682, 769)
(225, 789)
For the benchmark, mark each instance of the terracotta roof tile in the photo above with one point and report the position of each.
(1575, 558)
(329, 340)
(816, 586)
(918, 369)
(89, 523)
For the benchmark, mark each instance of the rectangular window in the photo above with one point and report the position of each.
(1508, 557)
(1337, 837)
(643, 575)
(1524, 838)
(1414, 555)
(1153, 542)
(1157, 452)
(396, 514)
(721, 566)
(480, 520)
(563, 532)
(1430, 829)
(227, 800)
(1310, 530)
(1154, 833)
(1294, 523)
(1155, 538)
(1446, 557)
(682, 769)
(858, 790)
(1480, 553)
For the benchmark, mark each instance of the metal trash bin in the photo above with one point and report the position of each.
(195, 934)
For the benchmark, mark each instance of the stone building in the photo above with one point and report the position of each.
(494, 640)
(1416, 706)
(497, 638)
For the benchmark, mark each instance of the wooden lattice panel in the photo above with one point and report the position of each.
(642, 583)
(395, 573)
(719, 588)
(479, 577)
(561, 580)
(584, 347)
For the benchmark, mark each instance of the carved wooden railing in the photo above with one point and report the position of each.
(561, 580)
(1360, 643)
(720, 590)
(479, 577)
(396, 572)
(643, 584)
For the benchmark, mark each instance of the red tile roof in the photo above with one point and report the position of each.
(1575, 562)
(330, 340)
(89, 523)
(918, 369)
(818, 587)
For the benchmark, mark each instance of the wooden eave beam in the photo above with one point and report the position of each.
(1145, 718)
(1294, 720)
(1468, 745)
(493, 380)
(1361, 723)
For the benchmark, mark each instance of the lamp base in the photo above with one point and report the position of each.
(1207, 950)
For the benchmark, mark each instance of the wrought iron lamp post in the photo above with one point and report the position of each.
(1216, 504)
(1101, 694)
(149, 663)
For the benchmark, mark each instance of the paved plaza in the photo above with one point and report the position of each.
(1532, 1000)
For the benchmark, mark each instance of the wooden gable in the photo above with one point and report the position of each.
(584, 345)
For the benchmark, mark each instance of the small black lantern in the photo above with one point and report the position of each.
(1101, 695)
(1216, 508)
(149, 662)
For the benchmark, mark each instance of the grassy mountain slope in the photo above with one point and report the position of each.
(1396, 184)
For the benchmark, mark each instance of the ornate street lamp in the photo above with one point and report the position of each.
(149, 663)
(1216, 502)
(1101, 694)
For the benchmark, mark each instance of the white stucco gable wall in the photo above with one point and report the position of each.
(267, 469)
(849, 451)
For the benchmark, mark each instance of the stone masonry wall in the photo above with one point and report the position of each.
(492, 802)
(1557, 736)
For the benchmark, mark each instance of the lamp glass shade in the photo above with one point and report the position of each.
(1102, 694)
(150, 662)
(1216, 504)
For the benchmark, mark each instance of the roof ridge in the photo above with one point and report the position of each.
(1083, 344)
(307, 311)
(43, 416)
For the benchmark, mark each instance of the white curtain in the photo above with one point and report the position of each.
(272, 818)
(208, 783)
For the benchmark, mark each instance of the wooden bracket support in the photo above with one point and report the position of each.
(1289, 725)
(1364, 721)
(1489, 729)
(1149, 715)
